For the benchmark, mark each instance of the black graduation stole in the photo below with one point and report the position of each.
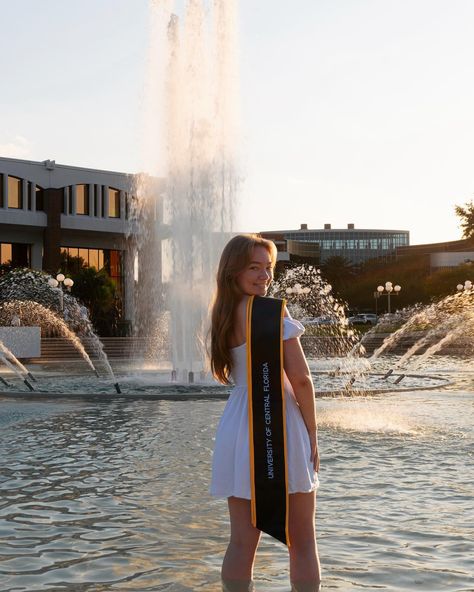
(267, 416)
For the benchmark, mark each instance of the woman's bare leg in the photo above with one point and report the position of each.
(244, 538)
(305, 568)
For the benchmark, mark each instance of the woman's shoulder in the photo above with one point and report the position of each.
(241, 307)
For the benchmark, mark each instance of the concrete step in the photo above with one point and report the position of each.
(114, 347)
(129, 348)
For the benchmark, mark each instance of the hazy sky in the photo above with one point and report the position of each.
(355, 111)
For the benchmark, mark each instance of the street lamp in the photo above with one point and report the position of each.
(387, 290)
(59, 281)
(466, 287)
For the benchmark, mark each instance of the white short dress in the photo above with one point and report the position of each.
(230, 462)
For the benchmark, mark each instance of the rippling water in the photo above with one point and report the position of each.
(112, 495)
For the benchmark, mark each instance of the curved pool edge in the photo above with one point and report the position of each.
(220, 396)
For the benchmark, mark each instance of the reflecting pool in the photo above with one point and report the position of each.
(112, 494)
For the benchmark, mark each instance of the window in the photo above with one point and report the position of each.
(5, 253)
(113, 266)
(15, 254)
(84, 255)
(73, 258)
(1, 190)
(39, 199)
(114, 203)
(15, 200)
(94, 258)
(82, 200)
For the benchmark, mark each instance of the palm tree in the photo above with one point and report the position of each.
(338, 271)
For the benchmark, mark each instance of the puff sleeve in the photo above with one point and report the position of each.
(292, 328)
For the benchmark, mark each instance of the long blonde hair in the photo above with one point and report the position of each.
(237, 254)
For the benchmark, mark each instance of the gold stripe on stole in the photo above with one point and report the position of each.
(282, 370)
(253, 505)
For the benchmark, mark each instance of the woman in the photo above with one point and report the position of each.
(246, 269)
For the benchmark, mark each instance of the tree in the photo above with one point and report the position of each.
(99, 293)
(338, 271)
(409, 272)
(466, 214)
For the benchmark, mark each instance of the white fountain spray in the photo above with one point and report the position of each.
(11, 361)
(183, 238)
(36, 315)
(5, 352)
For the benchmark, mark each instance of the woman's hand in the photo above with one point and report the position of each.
(313, 440)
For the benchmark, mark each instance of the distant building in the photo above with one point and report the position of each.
(52, 213)
(354, 244)
(442, 255)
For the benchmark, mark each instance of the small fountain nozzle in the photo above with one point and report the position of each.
(174, 375)
(351, 382)
(399, 379)
(96, 373)
(190, 377)
(117, 388)
(28, 384)
(32, 377)
(385, 376)
(3, 381)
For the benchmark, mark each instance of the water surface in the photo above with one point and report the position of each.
(102, 496)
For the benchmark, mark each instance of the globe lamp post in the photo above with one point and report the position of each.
(466, 287)
(388, 290)
(61, 280)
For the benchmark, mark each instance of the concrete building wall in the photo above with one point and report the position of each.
(56, 222)
(50, 174)
(452, 259)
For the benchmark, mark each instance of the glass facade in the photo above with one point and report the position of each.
(114, 203)
(15, 254)
(15, 198)
(5, 253)
(109, 259)
(98, 207)
(82, 200)
(304, 249)
(352, 244)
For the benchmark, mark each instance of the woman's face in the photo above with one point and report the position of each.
(258, 274)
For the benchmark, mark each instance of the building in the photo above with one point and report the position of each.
(354, 244)
(442, 255)
(51, 215)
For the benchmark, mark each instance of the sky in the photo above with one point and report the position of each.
(353, 111)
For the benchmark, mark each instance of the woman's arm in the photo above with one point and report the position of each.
(299, 375)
